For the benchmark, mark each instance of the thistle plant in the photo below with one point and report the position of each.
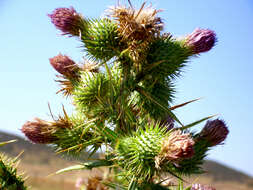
(123, 97)
(9, 177)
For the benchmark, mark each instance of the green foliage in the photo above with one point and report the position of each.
(170, 56)
(165, 60)
(9, 178)
(77, 137)
(162, 92)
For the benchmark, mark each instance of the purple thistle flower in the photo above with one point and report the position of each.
(67, 20)
(215, 132)
(38, 131)
(201, 40)
(64, 65)
(201, 187)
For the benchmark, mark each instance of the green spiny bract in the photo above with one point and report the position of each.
(165, 60)
(169, 57)
(102, 41)
(9, 179)
(136, 153)
(91, 94)
(160, 92)
(77, 137)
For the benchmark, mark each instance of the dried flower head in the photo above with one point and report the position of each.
(201, 187)
(175, 147)
(65, 66)
(38, 131)
(215, 132)
(141, 24)
(201, 40)
(137, 27)
(43, 132)
(68, 21)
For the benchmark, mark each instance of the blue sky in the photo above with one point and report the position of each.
(223, 76)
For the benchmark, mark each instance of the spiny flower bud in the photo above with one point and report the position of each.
(64, 65)
(215, 132)
(38, 131)
(201, 40)
(201, 187)
(67, 20)
(175, 147)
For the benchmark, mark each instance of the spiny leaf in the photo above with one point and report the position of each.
(71, 168)
(183, 104)
(133, 184)
(87, 165)
(196, 122)
(7, 142)
(172, 115)
(110, 134)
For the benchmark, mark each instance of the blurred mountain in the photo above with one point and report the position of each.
(40, 160)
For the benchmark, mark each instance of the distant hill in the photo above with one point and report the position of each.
(40, 157)
(219, 172)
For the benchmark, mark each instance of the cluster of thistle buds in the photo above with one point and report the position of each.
(123, 97)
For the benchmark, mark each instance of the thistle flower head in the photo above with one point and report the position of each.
(38, 131)
(177, 146)
(201, 40)
(68, 21)
(65, 66)
(201, 187)
(142, 24)
(215, 132)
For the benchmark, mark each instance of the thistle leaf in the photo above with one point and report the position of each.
(133, 184)
(196, 122)
(7, 142)
(170, 113)
(71, 168)
(183, 104)
(87, 165)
